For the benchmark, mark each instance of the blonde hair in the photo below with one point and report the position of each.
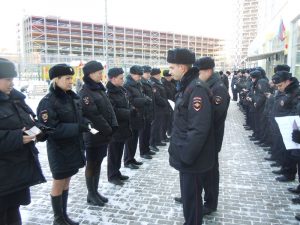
(53, 82)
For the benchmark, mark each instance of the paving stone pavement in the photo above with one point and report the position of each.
(249, 193)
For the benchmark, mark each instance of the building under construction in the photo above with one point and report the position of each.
(49, 40)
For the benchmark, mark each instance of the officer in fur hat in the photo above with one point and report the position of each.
(20, 168)
(61, 109)
(192, 147)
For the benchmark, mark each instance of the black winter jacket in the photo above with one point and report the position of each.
(192, 144)
(221, 100)
(138, 101)
(62, 111)
(19, 164)
(161, 103)
(120, 103)
(98, 109)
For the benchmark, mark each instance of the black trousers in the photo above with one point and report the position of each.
(114, 158)
(10, 216)
(191, 191)
(130, 147)
(144, 138)
(156, 129)
(234, 95)
(211, 186)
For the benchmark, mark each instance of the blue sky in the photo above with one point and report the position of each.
(196, 17)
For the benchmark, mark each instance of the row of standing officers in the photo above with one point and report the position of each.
(123, 115)
(262, 101)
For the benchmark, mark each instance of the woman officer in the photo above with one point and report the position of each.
(98, 109)
(61, 109)
(19, 165)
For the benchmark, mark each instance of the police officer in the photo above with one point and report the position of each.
(61, 109)
(224, 78)
(160, 108)
(137, 118)
(19, 163)
(234, 82)
(98, 109)
(170, 87)
(192, 145)
(147, 151)
(120, 103)
(220, 102)
(286, 106)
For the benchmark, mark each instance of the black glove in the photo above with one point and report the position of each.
(296, 136)
(148, 100)
(41, 137)
(84, 128)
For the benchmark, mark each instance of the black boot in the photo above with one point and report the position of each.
(97, 177)
(92, 197)
(65, 195)
(57, 207)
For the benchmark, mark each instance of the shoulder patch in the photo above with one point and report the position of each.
(86, 100)
(197, 103)
(218, 100)
(44, 116)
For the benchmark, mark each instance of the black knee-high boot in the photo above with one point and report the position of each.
(97, 177)
(92, 197)
(65, 195)
(57, 207)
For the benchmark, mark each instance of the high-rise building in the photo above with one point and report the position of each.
(49, 40)
(245, 29)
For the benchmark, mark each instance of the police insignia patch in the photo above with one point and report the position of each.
(154, 90)
(282, 103)
(44, 116)
(218, 100)
(197, 103)
(86, 100)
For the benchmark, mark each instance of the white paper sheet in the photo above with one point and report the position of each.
(172, 104)
(286, 126)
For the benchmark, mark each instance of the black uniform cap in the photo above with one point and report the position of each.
(181, 56)
(60, 70)
(138, 70)
(205, 63)
(147, 69)
(281, 76)
(155, 71)
(114, 72)
(7, 69)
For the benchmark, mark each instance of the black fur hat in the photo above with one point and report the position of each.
(147, 69)
(181, 56)
(255, 74)
(205, 63)
(114, 72)
(282, 67)
(92, 67)
(7, 69)
(60, 70)
(281, 76)
(138, 70)
(155, 71)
